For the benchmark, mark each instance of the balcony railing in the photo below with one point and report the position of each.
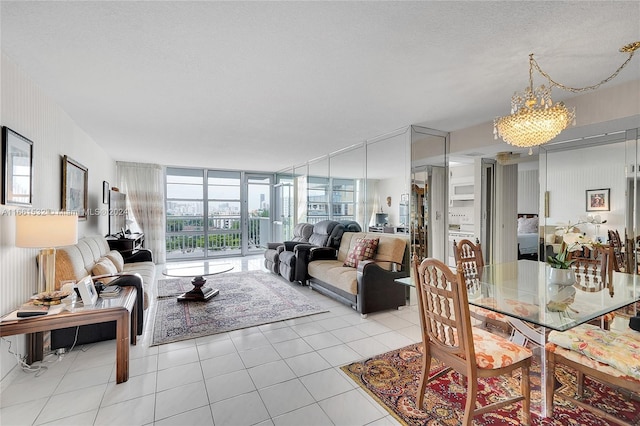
(185, 236)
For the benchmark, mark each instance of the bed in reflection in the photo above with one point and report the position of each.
(528, 236)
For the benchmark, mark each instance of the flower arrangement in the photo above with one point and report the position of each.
(572, 241)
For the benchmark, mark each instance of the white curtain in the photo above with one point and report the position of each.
(144, 185)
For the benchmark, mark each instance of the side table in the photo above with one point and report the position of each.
(121, 309)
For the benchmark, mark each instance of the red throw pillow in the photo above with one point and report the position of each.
(363, 250)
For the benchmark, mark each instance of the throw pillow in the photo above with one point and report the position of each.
(104, 267)
(364, 249)
(116, 258)
(527, 225)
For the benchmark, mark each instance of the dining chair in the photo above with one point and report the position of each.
(469, 254)
(591, 267)
(606, 356)
(593, 273)
(619, 262)
(447, 335)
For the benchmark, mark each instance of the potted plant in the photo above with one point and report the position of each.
(560, 271)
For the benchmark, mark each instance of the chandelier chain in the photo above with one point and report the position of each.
(535, 119)
(552, 82)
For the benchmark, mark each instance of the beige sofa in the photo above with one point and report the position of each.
(79, 260)
(371, 286)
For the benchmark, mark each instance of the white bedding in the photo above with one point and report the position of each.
(528, 243)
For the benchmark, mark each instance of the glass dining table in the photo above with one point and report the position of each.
(521, 290)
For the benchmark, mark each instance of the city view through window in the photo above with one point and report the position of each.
(206, 220)
(205, 216)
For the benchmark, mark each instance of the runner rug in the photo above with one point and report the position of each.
(246, 299)
(393, 377)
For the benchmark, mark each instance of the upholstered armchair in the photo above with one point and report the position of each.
(301, 234)
(327, 233)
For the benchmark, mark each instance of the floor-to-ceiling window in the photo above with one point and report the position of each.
(224, 219)
(185, 213)
(214, 213)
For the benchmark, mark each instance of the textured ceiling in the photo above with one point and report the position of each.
(266, 85)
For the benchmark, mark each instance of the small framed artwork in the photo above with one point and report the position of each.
(105, 192)
(17, 169)
(598, 200)
(74, 187)
(87, 291)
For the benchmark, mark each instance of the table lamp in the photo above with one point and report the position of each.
(46, 231)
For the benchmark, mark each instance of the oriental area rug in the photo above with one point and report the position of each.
(246, 299)
(392, 379)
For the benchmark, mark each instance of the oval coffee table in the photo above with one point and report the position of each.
(199, 272)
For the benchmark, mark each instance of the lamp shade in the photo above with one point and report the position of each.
(46, 230)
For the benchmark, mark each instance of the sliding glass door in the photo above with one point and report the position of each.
(213, 213)
(257, 213)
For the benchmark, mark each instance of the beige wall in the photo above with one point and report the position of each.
(30, 112)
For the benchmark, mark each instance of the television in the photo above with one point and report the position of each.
(382, 219)
(117, 212)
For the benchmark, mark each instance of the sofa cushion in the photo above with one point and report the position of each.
(147, 270)
(104, 266)
(117, 259)
(391, 248)
(364, 249)
(335, 273)
(77, 261)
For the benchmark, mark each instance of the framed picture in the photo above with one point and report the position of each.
(87, 291)
(74, 187)
(105, 192)
(17, 169)
(598, 200)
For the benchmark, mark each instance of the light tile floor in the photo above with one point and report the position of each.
(285, 373)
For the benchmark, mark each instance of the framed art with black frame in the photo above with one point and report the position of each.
(17, 169)
(74, 187)
(598, 200)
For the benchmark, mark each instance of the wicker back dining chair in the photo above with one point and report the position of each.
(447, 335)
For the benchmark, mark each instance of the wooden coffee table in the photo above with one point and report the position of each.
(121, 309)
(199, 272)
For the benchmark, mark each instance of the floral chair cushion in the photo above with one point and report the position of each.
(620, 350)
(493, 351)
(588, 362)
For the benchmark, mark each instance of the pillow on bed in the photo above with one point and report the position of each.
(527, 225)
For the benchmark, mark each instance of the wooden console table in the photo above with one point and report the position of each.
(121, 309)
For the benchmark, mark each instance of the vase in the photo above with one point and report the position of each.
(562, 276)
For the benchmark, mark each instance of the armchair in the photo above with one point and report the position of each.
(351, 226)
(293, 260)
(301, 234)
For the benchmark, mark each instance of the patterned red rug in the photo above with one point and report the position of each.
(392, 379)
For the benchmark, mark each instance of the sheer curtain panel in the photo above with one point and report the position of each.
(144, 185)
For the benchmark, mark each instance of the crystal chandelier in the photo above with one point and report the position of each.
(534, 118)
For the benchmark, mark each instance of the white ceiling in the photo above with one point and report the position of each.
(266, 85)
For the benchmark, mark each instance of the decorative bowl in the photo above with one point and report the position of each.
(48, 298)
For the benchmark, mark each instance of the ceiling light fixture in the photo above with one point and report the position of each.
(534, 118)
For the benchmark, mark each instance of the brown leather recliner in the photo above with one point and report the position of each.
(301, 234)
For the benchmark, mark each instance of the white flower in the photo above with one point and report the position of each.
(576, 241)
